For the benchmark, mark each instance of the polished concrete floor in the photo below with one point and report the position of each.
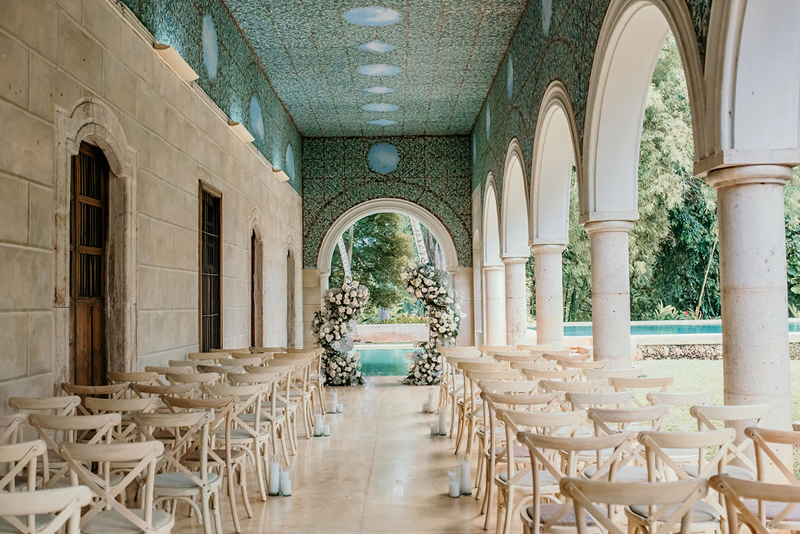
(379, 471)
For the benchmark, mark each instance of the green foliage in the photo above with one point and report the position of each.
(793, 242)
(381, 247)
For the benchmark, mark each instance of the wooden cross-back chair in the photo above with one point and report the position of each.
(672, 503)
(605, 374)
(740, 461)
(54, 430)
(176, 478)
(19, 458)
(641, 385)
(761, 506)
(227, 461)
(555, 458)
(766, 441)
(301, 388)
(284, 407)
(10, 428)
(486, 350)
(582, 364)
(610, 421)
(44, 511)
(454, 384)
(196, 378)
(562, 354)
(167, 390)
(144, 377)
(316, 376)
(516, 477)
(165, 370)
(470, 407)
(552, 374)
(109, 391)
(126, 429)
(513, 356)
(248, 433)
(561, 388)
(534, 365)
(54, 405)
(214, 355)
(679, 402)
(134, 463)
(586, 400)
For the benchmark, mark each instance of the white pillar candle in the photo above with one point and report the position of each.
(286, 483)
(340, 408)
(442, 422)
(326, 429)
(434, 429)
(334, 399)
(466, 477)
(317, 424)
(425, 408)
(455, 489)
(431, 403)
(274, 478)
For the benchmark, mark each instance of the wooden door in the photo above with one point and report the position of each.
(89, 212)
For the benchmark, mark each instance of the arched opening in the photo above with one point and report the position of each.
(494, 291)
(256, 289)
(92, 124)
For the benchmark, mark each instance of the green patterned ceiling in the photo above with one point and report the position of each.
(321, 57)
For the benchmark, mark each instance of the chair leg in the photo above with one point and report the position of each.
(501, 497)
(321, 389)
(487, 504)
(217, 518)
(206, 512)
(452, 414)
(243, 485)
(260, 472)
(232, 500)
(509, 511)
(470, 433)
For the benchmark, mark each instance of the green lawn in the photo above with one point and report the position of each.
(697, 375)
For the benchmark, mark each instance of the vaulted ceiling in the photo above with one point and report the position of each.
(392, 67)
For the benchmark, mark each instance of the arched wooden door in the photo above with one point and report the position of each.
(88, 237)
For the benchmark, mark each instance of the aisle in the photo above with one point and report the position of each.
(380, 471)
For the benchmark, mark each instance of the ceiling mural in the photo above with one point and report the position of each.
(208, 38)
(343, 68)
(555, 40)
(340, 173)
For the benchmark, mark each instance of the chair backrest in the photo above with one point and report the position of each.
(126, 428)
(145, 377)
(764, 439)
(711, 447)
(488, 349)
(266, 350)
(171, 390)
(63, 505)
(594, 374)
(213, 355)
(714, 417)
(539, 348)
(108, 391)
(10, 426)
(516, 387)
(248, 401)
(739, 494)
(186, 363)
(679, 403)
(609, 421)
(561, 386)
(671, 502)
(640, 384)
(504, 374)
(589, 364)
(54, 405)
(136, 462)
(561, 354)
(556, 374)
(54, 430)
(193, 378)
(169, 369)
(244, 359)
(17, 458)
(472, 352)
(529, 364)
(512, 357)
(580, 400)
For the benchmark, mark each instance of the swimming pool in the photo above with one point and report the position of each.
(384, 360)
(662, 328)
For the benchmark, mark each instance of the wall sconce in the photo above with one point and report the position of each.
(280, 175)
(241, 131)
(176, 62)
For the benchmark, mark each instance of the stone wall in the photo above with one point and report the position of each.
(56, 55)
(693, 352)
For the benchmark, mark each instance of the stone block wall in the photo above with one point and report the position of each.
(53, 54)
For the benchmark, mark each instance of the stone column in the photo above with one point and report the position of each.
(752, 259)
(549, 294)
(312, 292)
(516, 301)
(495, 310)
(611, 293)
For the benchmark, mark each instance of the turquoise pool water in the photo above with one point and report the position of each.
(676, 328)
(384, 361)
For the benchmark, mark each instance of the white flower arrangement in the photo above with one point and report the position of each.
(332, 325)
(433, 287)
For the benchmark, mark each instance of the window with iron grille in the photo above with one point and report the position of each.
(210, 269)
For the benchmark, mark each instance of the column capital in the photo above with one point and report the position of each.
(748, 175)
(547, 249)
(489, 268)
(593, 227)
(515, 260)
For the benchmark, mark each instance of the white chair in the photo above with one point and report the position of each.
(44, 511)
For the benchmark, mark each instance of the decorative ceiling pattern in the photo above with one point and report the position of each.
(403, 67)
(432, 172)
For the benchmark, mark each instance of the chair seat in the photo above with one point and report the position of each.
(772, 509)
(279, 405)
(111, 522)
(627, 473)
(548, 510)
(175, 481)
(701, 513)
(545, 479)
(240, 434)
(42, 522)
(265, 417)
(733, 470)
(236, 455)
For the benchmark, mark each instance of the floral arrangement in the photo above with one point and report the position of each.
(432, 286)
(332, 326)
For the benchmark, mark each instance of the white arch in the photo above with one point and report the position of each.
(555, 150)
(630, 40)
(754, 84)
(491, 226)
(385, 205)
(514, 211)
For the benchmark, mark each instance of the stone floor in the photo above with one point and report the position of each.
(380, 471)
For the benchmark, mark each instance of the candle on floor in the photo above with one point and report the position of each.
(434, 429)
(430, 404)
(326, 429)
(318, 424)
(442, 422)
(454, 486)
(286, 483)
(274, 477)
(466, 477)
(334, 399)
(426, 408)
(340, 408)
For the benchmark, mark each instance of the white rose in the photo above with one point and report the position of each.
(341, 309)
(419, 294)
(442, 329)
(411, 290)
(354, 283)
(329, 338)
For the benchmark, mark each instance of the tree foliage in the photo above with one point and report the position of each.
(382, 246)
